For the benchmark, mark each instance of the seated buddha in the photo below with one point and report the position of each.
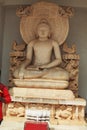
(47, 57)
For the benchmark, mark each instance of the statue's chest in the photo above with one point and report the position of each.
(44, 47)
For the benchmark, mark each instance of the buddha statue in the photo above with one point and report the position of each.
(42, 49)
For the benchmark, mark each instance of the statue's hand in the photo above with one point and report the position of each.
(32, 68)
(42, 67)
(21, 75)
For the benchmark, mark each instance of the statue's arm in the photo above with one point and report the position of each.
(57, 60)
(57, 52)
(22, 67)
(28, 56)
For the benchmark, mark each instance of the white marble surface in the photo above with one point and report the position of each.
(19, 125)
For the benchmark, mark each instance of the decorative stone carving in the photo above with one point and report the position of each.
(71, 63)
(43, 45)
(15, 109)
(61, 95)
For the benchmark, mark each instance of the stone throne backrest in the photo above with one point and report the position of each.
(58, 18)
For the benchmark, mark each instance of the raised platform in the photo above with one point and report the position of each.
(41, 83)
(34, 93)
(76, 101)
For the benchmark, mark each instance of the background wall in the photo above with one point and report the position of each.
(1, 34)
(9, 31)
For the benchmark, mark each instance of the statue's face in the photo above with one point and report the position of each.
(43, 30)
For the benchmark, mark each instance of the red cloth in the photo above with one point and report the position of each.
(35, 125)
(4, 93)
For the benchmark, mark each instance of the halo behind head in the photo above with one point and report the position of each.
(46, 13)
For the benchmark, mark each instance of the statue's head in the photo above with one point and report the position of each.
(43, 29)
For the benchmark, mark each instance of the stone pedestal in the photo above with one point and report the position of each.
(63, 107)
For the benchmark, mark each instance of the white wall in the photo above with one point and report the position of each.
(77, 34)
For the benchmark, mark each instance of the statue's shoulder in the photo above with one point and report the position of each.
(54, 43)
(32, 43)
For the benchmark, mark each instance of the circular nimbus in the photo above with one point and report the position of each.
(59, 28)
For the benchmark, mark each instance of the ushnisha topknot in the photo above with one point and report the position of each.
(43, 22)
